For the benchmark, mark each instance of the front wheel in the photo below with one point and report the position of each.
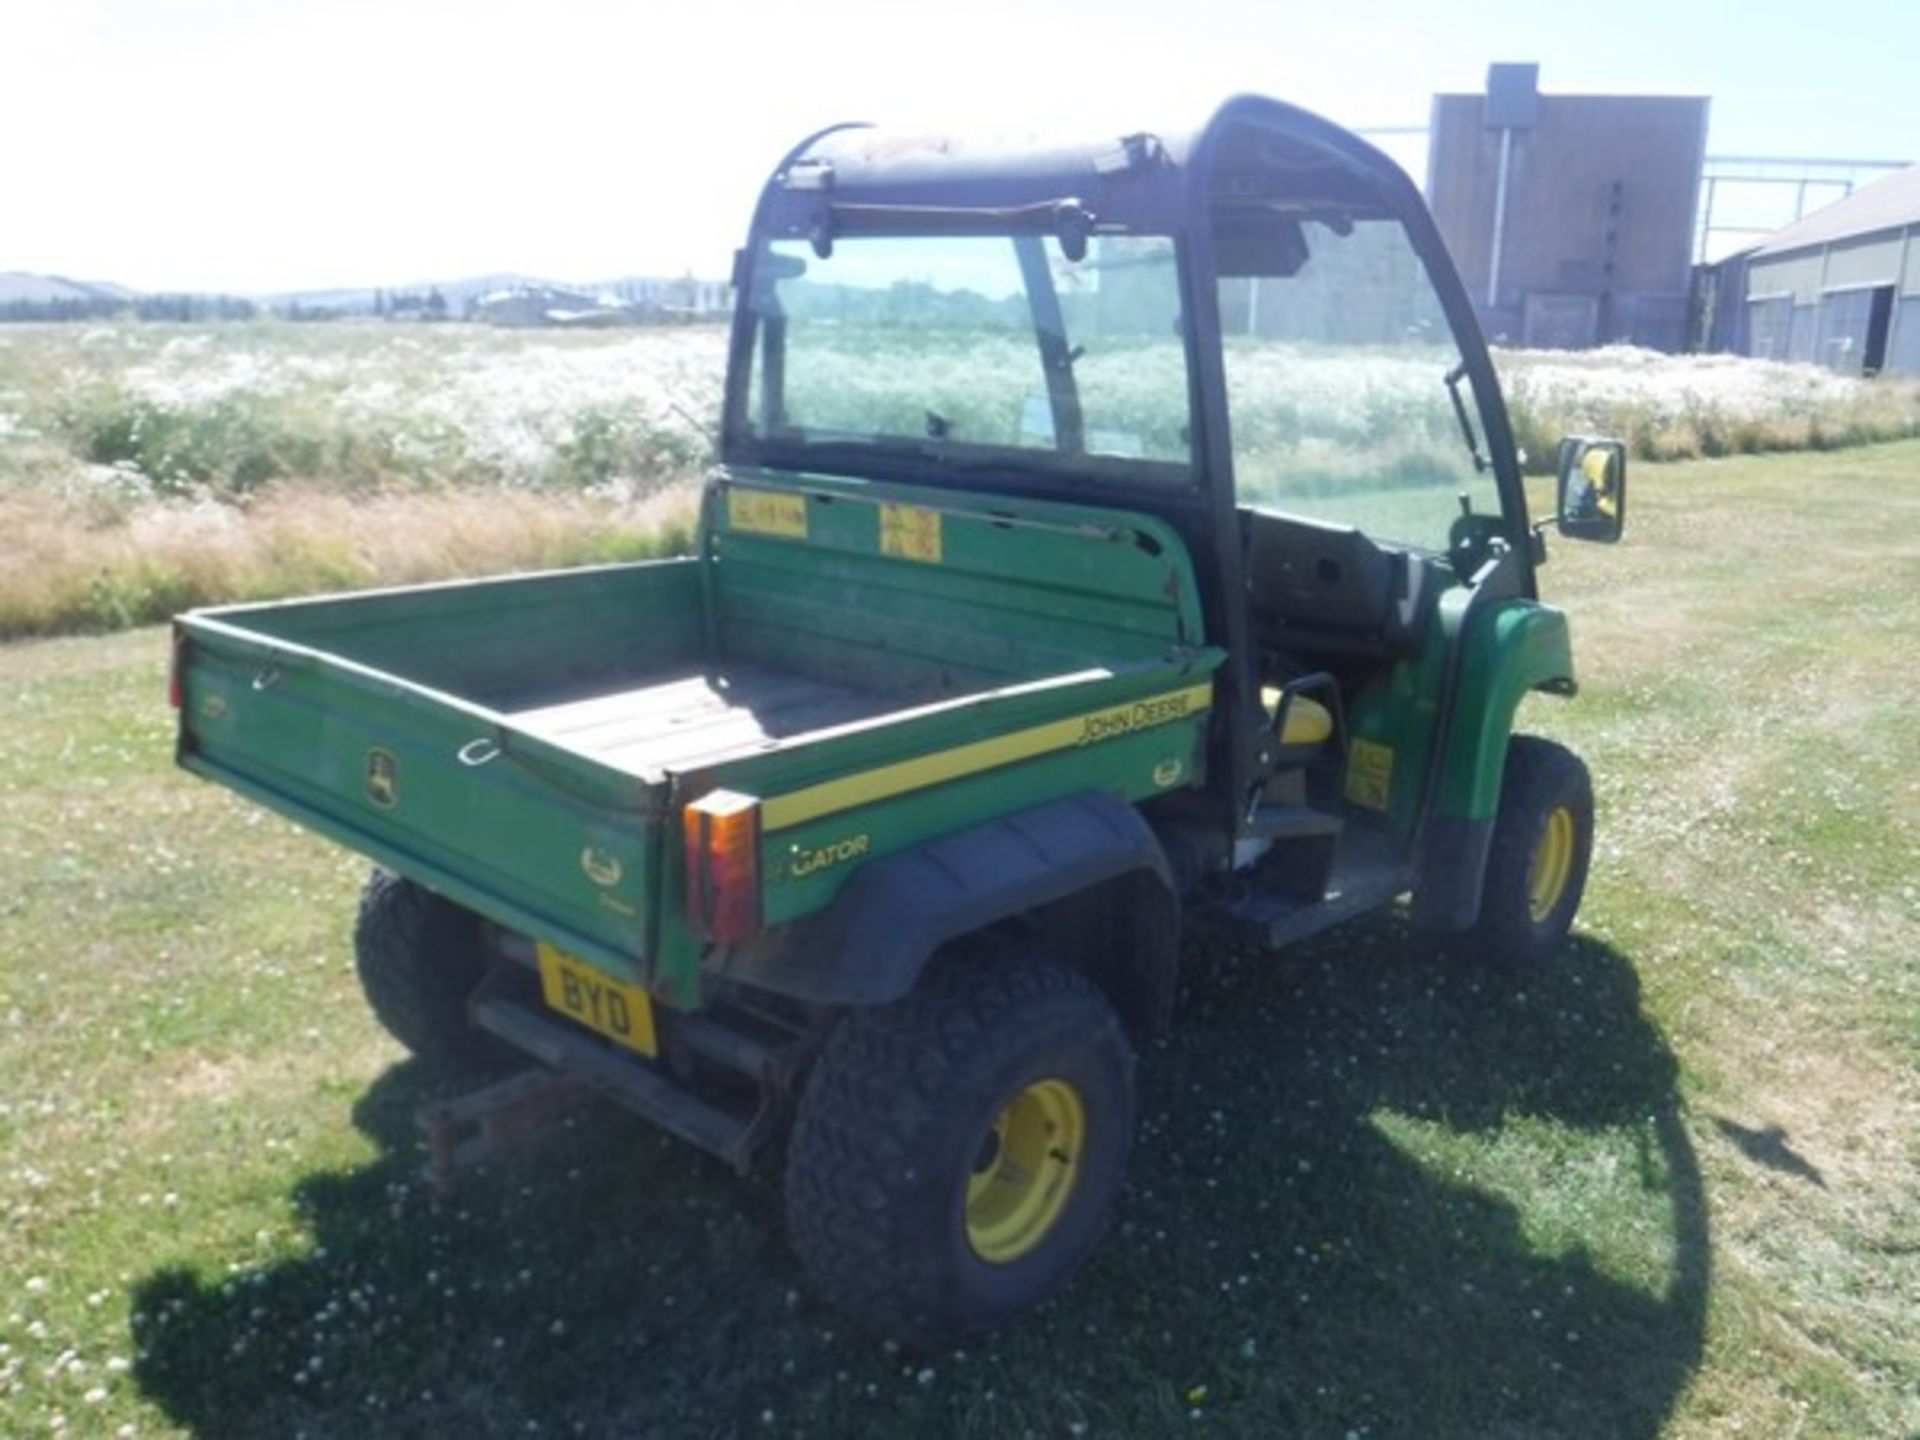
(1537, 866)
(958, 1152)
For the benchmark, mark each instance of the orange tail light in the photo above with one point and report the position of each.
(722, 833)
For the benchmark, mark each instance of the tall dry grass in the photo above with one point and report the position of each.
(1696, 407)
(146, 468)
(228, 409)
(65, 567)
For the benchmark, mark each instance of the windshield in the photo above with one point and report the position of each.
(1338, 390)
(992, 344)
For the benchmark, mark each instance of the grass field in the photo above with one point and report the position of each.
(1670, 1186)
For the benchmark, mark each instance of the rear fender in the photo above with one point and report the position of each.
(1054, 867)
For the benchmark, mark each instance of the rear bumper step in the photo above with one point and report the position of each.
(633, 1084)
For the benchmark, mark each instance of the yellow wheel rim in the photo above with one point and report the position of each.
(1025, 1170)
(1552, 863)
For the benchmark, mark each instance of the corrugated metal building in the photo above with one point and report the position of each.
(1841, 288)
(1570, 216)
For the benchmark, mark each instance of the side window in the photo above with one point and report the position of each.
(1336, 387)
(984, 342)
(912, 338)
(1123, 318)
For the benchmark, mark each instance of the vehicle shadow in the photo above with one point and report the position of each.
(1516, 1235)
(1377, 1191)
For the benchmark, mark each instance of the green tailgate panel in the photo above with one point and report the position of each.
(563, 856)
(326, 711)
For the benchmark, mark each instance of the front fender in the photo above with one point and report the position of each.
(1514, 647)
(1517, 646)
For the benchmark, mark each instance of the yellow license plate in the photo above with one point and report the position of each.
(613, 1008)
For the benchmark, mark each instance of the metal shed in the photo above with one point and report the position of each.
(1841, 288)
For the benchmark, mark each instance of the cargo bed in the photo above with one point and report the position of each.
(524, 744)
(696, 718)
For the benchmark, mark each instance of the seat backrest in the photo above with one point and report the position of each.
(1317, 585)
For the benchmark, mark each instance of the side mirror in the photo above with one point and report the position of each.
(1591, 501)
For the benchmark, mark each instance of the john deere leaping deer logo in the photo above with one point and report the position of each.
(383, 778)
(600, 866)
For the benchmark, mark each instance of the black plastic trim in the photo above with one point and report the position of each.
(1453, 870)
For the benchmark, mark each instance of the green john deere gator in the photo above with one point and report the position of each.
(1106, 538)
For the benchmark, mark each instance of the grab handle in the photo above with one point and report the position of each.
(478, 752)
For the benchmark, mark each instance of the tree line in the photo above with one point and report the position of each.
(184, 308)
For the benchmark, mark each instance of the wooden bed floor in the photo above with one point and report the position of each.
(693, 718)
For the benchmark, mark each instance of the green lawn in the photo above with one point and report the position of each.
(1670, 1186)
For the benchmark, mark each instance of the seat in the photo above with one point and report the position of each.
(1317, 588)
(1308, 721)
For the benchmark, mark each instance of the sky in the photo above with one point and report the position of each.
(257, 145)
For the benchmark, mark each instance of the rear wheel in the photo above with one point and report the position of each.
(957, 1153)
(1542, 844)
(420, 957)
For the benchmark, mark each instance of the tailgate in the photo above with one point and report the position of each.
(542, 839)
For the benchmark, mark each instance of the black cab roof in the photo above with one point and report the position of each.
(1251, 151)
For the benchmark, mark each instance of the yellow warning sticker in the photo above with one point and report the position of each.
(1370, 774)
(765, 512)
(910, 532)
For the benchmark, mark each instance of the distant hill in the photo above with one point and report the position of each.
(20, 287)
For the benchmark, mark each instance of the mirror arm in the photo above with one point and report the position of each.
(1537, 541)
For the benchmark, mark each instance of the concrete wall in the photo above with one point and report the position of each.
(1601, 196)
